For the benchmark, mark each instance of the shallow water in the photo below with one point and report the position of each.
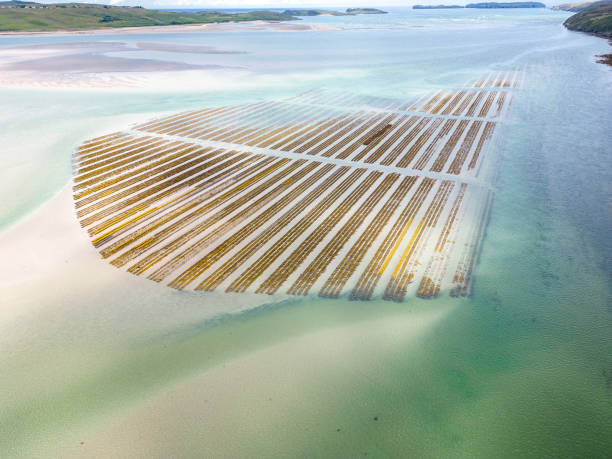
(111, 365)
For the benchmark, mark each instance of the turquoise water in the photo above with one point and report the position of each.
(523, 368)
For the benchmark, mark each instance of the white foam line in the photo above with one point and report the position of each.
(239, 126)
(87, 211)
(331, 233)
(456, 147)
(182, 151)
(259, 231)
(189, 127)
(470, 153)
(365, 118)
(351, 241)
(79, 158)
(279, 117)
(274, 112)
(234, 114)
(172, 122)
(338, 124)
(399, 120)
(181, 188)
(311, 226)
(436, 140)
(189, 226)
(306, 117)
(84, 152)
(149, 149)
(357, 151)
(356, 233)
(339, 162)
(98, 156)
(409, 132)
(214, 242)
(176, 205)
(311, 131)
(167, 120)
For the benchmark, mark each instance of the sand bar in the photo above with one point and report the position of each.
(188, 28)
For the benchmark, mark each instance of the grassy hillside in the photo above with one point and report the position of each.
(483, 5)
(573, 7)
(313, 12)
(595, 19)
(24, 17)
(364, 11)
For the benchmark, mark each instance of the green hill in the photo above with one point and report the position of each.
(313, 12)
(573, 7)
(26, 16)
(483, 5)
(364, 11)
(595, 19)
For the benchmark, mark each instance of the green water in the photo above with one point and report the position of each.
(522, 368)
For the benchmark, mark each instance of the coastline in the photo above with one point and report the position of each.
(593, 20)
(115, 330)
(101, 363)
(211, 27)
(605, 59)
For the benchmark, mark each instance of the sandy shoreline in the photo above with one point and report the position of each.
(213, 27)
(67, 328)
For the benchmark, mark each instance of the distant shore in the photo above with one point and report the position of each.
(19, 16)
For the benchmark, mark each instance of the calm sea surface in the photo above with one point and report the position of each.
(522, 368)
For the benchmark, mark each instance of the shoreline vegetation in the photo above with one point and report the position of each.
(22, 16)
(572, 7)
(486, 5)
(594, 18)
(17, 16)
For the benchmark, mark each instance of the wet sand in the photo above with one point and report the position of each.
(187, 49)
(94, 63)
(247, 406)
(87, 65)
(67, 328)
